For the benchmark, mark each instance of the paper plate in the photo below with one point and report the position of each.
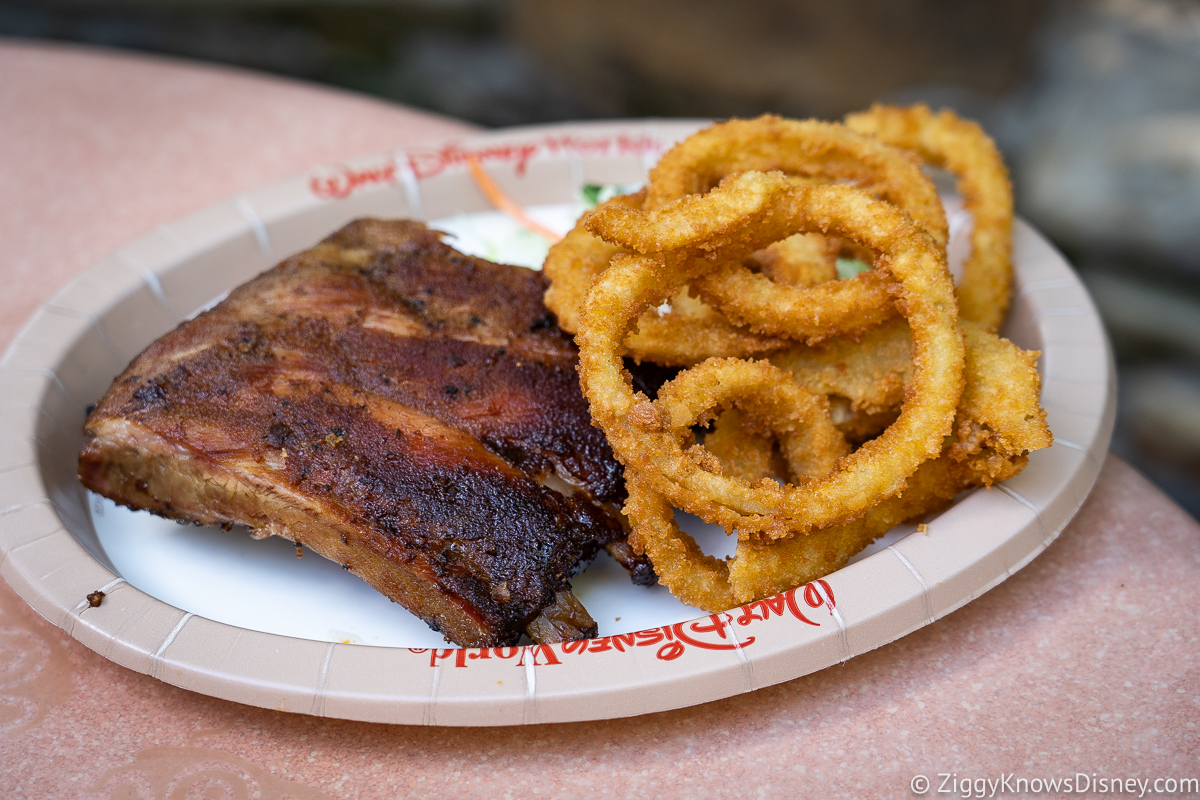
(177, 607)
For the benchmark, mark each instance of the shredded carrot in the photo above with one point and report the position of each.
(503, 202)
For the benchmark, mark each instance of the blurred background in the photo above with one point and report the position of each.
(1096, 104)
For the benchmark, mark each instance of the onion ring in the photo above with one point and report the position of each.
(707, 223)
(960, 146)
(690, 330)
(998, 422)
(762, 569)
(574, 262)
(810, 149)
(846, 307)
(805, 259)
(694, 577)
(745, 448)
(689, 333)
(994, 432)
(771, 209)
(869, 373)
(1000, 394)
(799, 418)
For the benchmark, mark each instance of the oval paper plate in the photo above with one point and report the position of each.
(56, 548)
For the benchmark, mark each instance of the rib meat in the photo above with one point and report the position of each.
(405, 410)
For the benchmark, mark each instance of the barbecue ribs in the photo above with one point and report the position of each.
(401, 408)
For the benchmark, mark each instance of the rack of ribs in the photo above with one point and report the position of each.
(408, 411)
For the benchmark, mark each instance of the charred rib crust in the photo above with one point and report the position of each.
(395, 390)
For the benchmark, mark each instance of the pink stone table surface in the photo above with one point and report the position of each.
(1087, 661)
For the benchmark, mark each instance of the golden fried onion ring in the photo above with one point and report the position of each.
(797, 417)
(999, 422)
(745, 448)
(742, 215)
(1000, 393)
(758, 570)
(812, 150)
(688, 334)
(805, 306)
(690, 574)
(762, 569)
(805, 259)
(961, 146)
(822, 151)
